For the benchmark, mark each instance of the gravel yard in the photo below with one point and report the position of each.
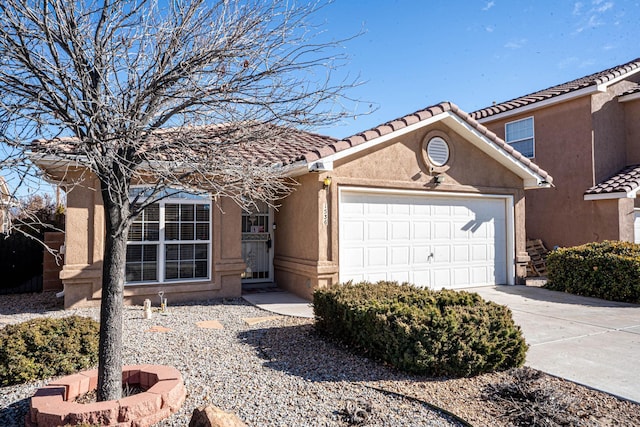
(278, 372)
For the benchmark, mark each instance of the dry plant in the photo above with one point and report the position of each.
(172, 94)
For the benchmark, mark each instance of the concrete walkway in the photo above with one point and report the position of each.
(586, 340)
(280, 302)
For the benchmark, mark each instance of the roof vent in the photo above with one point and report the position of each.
(438, 151)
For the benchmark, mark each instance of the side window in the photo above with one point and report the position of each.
(520, 135)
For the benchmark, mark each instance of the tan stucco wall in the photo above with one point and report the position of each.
(305, 262)
(84, 248)
(632, 129)
(565, 142)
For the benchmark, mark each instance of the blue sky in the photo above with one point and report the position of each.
(416, 53)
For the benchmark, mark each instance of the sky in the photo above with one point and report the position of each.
(417, 53)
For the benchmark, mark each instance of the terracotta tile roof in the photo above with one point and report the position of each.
(278, 146)
(561, 89)
(418, 116)
(632, 90)
(625, 181)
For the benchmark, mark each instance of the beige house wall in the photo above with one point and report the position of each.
(568, 137)
(632, 130)
(84, 248)
(307, 246)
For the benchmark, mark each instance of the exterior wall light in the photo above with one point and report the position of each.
(438, 179)
(327, 182)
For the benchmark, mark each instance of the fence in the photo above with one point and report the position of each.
(20, 264)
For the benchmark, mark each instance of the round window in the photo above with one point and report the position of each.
(438, 151)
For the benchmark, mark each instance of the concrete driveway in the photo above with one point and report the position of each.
(586, 340)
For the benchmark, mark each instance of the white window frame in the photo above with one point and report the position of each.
(197, 199)
(533, 135)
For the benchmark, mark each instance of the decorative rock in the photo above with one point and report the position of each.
(210, 324)
(158, 329)
(212, 416)
(255, 320)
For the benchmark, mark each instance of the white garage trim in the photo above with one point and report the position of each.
(427, 202)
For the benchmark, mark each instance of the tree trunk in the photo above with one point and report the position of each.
(111, 309)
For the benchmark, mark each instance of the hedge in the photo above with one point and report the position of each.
(438, 333)
(46, 347)
(608, 270)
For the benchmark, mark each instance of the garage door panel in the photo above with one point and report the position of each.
(377, 256)
(421, 230)
(400, 276)
(353, 231)
(421, 255)
(397, 234)
(441, 230)
(460, 253)
(400, 255)
(377, 230)
(400, 230)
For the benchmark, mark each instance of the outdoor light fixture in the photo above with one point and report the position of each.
(327, 182)
(438, 179)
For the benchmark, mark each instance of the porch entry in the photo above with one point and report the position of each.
(257, 242)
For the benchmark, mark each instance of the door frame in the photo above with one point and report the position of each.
(269, 231)
(508, 205)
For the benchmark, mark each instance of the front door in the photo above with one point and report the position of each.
(256, 244)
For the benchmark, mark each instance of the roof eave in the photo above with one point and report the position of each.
(629, 97)
(611, 196)
(545, 103)
(531, 179)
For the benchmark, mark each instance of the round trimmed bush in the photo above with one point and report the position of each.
(450, 333)
(45, 347)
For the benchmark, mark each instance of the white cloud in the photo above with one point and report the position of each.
(604, 7)
(515, 44)
(488, 29)
(577, 8)
(489, 5)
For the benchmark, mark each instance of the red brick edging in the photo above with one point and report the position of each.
(164, 393)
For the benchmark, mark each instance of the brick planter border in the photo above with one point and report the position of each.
(164, 393)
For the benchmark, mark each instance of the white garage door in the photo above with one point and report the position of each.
(636, 226)
(434, 241)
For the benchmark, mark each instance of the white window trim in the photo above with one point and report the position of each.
(533, 134)
(161, 240)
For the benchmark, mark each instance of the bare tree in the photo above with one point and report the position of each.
(166, 93)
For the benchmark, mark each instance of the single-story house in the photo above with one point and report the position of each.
(432, 198)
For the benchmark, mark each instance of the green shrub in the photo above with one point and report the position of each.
(45, 347)
(419, 330)
(608, 270)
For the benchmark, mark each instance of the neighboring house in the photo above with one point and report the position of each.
(5, 204)
(431, 198)
(586, 133)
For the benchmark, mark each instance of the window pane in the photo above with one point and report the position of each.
(200, 252)
(202, 231)
(186, 270)
(202, 213)
(171, 270)
(201, 269)
(152, 212)
(171, 252)
(149, 271)
(519, 130)
(186, 232)
(186, 213)
(133, 272)
(171, 212)
(135, 232)
(152, 231)
(134, 253)
(171, 231)
(525, 147)
(186, 252)
(150, 253)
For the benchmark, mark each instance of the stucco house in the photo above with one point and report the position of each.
(431, 198)
(585, 132)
